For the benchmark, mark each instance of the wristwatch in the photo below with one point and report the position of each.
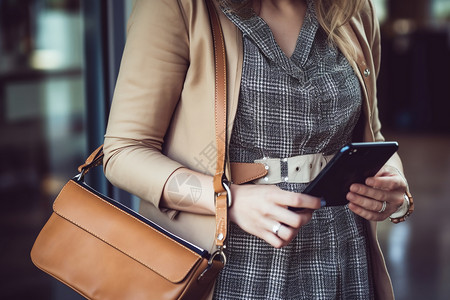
(403, 211)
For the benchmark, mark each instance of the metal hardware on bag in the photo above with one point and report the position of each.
(80, 176)
(223, 259)
(98, 160)
(225, 184)
(218, 252)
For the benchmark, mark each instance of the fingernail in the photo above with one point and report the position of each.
(323, 202)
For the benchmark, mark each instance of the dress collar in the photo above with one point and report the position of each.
(256, 29)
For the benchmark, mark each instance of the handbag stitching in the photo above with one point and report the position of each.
(129, 255)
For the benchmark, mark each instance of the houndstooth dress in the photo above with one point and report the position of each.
(308, 103)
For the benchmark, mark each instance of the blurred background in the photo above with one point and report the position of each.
(58, 64)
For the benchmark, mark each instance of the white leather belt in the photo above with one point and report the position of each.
(300, 169)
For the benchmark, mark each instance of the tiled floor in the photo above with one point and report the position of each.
(417, 251)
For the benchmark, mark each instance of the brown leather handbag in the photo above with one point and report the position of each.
(103, 250)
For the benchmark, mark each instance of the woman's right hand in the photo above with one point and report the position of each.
(260, 209)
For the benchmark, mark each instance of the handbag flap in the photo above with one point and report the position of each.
(125, 232)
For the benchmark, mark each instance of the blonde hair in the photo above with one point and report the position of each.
(331, 14)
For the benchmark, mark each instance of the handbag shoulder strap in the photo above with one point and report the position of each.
(95, 159)
(221, 189)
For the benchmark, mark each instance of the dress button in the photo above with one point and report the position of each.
(367, 72)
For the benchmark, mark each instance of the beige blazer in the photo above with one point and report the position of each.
(162, 116)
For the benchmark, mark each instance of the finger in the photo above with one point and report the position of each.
(388, 170)
(367, 214)
(366, 203)
(274, 240)
(369, 192)
(271, 233)
(392, 197)
(279, 235)
(281, 229)
(298, 200)
(288, 217)
(373, 209)
(287, 233)
(392, 182)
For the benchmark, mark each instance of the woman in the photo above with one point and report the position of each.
(300, 84)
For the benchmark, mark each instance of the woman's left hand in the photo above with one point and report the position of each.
(367, 200)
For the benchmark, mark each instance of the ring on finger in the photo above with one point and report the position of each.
(276, 228)
(383, 208)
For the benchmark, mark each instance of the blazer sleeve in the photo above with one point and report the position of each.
(150, 80)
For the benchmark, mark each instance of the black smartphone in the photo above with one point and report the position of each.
(352, 164)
